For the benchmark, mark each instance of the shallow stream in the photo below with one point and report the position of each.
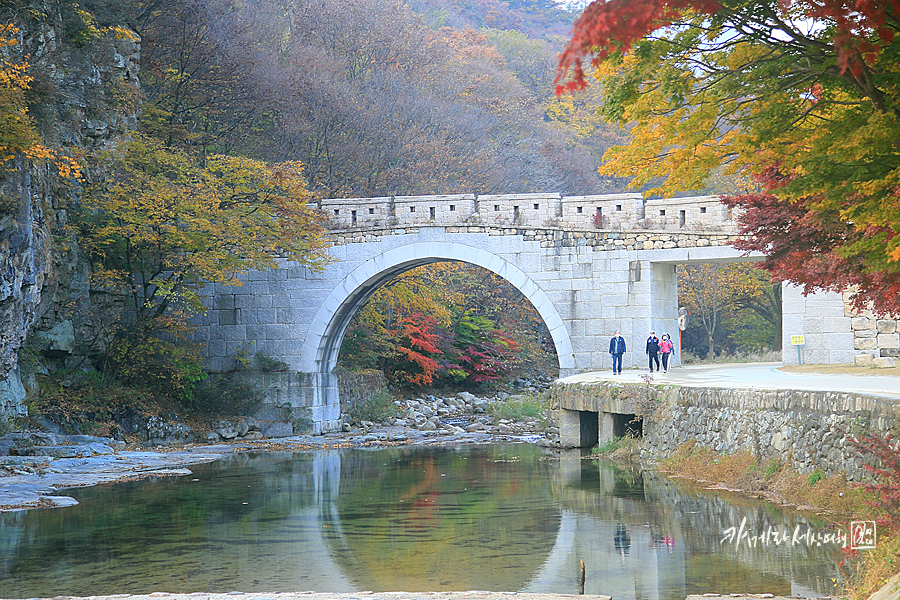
(499, 517)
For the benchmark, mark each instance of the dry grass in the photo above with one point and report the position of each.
(840, 370)
(740, 473)
(875, 567)
(832, 496)
(624, 449)
(697, 463)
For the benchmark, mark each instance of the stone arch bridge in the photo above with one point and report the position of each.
(588, 264)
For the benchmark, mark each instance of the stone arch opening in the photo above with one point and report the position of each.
(732, 309)
(322, 344)
(477, 311)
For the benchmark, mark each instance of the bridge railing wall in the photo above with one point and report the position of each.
(608, 211)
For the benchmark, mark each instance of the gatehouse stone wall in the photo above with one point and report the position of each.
(618, 212)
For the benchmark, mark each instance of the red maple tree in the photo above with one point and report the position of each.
(861, 28)
(802, 245)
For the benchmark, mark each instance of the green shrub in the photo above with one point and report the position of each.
(268, 364)
(521, 409)
(380, 407)
(226, 397)
(156, 356)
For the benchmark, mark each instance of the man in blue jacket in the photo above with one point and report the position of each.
(616, 350)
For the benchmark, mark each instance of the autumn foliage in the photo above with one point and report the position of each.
(606, 28)
(17, 131)
(886, 470)
(446, 324)
(792, 108)
(859, 31)
(417, 345)
(801, 245)
(163, 223)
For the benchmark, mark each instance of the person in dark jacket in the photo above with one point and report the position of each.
(616, 350)
(653, 350)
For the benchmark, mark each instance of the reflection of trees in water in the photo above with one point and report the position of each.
(200, 531)
(447, 518)
(695, 520)
(444, 518)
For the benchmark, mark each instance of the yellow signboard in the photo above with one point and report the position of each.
(797, 340)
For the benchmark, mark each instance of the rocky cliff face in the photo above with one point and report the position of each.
(85, 98)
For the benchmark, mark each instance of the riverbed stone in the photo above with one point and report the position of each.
(276, 429)
(467, 397)
(227, 433)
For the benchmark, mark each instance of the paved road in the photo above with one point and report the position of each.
(757, 375)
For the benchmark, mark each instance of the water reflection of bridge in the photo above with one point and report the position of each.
(490, 517)
(675, 535)
(639, 538)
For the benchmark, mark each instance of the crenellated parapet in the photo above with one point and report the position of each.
(611, 212)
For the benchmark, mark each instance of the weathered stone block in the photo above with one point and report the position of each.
(884, 362)
(865, 344)
(857, 323)
(864, 360)
(886, 326)
(888, 340)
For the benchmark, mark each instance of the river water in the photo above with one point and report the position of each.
(499, 517)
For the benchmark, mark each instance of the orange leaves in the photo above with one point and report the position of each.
(417, 341)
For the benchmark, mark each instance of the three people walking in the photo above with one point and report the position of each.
(655, 349)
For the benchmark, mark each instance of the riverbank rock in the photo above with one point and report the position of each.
(453, 415)
(41, 447)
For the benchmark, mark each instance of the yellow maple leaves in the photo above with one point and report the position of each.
(17, 132)
(163, 223)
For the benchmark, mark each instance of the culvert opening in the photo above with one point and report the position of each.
(627, 424)
(590, 428)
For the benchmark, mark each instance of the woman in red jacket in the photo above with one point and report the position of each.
(666, 347)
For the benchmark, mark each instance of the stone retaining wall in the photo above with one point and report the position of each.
(806, 429)
(876, 337)
(358, 387)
